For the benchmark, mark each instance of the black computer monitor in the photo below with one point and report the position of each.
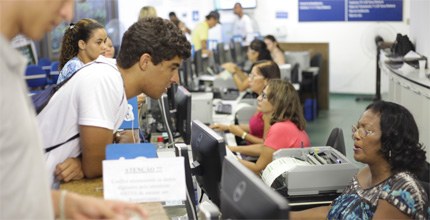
(208, 150)
(183, 113)
(237, 53)
(198, 63)
(186, 76)
(181, 150)
(201, 64)
(245, 196)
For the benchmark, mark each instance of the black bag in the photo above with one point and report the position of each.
(41, 99)
(402, 45)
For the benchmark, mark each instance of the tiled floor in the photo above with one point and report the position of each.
(343, 113)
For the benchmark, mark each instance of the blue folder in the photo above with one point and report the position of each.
(130, 151)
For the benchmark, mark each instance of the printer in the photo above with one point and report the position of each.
(309, 171)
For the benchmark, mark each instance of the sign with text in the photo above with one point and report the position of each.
(144, 180)
(350, 10)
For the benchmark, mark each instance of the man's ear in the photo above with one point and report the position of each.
(82, 45)
(144, 61)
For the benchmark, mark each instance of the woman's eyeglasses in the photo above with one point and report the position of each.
(263, 96)
(361, 132)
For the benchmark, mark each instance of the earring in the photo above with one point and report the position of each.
(389, 154)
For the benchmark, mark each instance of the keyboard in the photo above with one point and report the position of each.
(225, 109)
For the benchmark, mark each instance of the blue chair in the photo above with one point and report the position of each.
(35, 77)
(45, 63)
(54, 73)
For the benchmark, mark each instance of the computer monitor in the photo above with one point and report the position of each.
(237, 53)
(186, 76)
(201, 63)
(26, 47)
(245, 196)
(181, 150)
(183, 113)
(208, 150)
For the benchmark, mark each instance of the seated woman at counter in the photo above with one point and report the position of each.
(283, 117)
(386, 140)
(261, 73)
(275, 50)
(257, 51)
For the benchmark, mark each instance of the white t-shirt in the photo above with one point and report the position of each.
(242, 26)
(24, 186)
(94, 97)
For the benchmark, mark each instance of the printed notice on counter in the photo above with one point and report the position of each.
(144, 180)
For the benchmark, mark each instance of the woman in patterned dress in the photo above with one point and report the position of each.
(386, 140)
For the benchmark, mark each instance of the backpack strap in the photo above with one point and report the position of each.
(47, 150)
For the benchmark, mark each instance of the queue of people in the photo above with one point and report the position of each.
(93, 104)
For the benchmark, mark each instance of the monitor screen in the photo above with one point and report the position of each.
(208, 150)
(181, 150)
(186, 74)
(183, 113)
(26, 47)
(245, 196)
(237, 53)
(200, 63)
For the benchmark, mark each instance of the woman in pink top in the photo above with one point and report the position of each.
(283, 116)
(253, 133)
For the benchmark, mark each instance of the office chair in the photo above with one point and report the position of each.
(309, 83)
(54, 73)
(35, 77)
(336, 141)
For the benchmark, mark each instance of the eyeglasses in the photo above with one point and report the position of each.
(263, 96)
(361, 132)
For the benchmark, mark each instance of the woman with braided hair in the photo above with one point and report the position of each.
(82, 43)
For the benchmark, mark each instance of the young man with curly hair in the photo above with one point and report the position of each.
(93, 103)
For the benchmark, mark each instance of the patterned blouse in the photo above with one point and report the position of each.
(400, 190)
(69, 69)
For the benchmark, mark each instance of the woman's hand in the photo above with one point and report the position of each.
(220, 127)
(70, 169)
(236, 130)
(230, 67)
(127, 136)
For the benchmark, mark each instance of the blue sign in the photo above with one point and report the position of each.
(131, 120)
(322, 10)
(350, 10)
(375, 10)
(282, 15)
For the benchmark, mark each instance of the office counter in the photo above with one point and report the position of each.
(94, 187)
(407, 88)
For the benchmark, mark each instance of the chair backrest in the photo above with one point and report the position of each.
(336, 140)
(295, 73)
(316, 60)
(35, 77)
(55, 72)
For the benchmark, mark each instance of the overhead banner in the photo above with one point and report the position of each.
(350, 10)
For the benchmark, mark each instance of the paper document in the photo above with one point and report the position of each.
(278, 167)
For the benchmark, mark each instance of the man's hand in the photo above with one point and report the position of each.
(70, 169)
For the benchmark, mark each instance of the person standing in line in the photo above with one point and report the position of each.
(200, 33)
(110, 49)
(181, 25)
(242, 23)
(93, 103)
(24, 191)
(82, 43)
